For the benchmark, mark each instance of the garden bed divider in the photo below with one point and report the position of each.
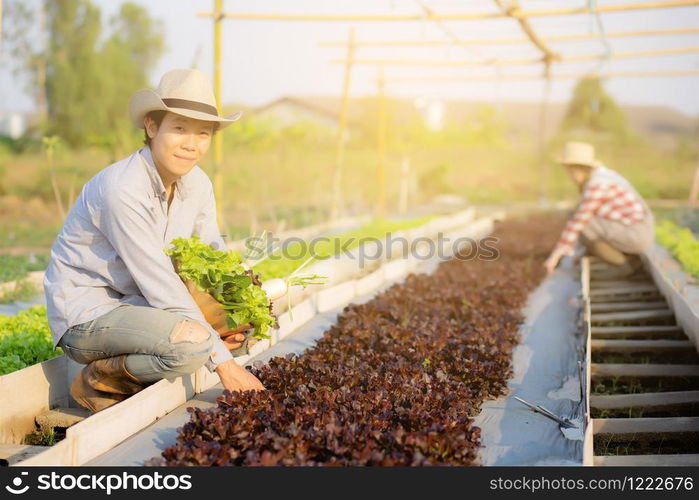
(370, 282)
(337, 296)
(29, 392)
(588, 439)
(679, 289)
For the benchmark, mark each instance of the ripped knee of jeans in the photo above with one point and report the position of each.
(189, 331)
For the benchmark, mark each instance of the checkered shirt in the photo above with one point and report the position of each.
(607, 194)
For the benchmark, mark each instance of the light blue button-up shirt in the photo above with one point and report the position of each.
(111, 250)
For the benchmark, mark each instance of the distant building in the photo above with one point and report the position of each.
(288, 111)
(14, 124)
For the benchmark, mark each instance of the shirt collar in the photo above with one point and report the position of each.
(157, 182)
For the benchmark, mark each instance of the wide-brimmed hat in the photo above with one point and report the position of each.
(579, 153)
(186, 92)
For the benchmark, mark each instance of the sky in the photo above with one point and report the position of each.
(264, 60)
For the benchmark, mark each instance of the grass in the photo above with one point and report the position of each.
(23, 290)
(13, 267)
(44, 437)
(679, 410)
(646, 444)
(683, 357)
(632, 385)
(289, 182)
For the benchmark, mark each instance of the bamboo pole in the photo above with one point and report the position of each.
(427, 62)
(431, 13)
(464, 16)
(508, 41)
(575, 76)
(694, 192)
(513, 10)
(522, 61)
(342, 126)
(638, 53)
(543, 118)
(218, 139)
(381, 146)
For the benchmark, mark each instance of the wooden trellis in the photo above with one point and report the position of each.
(508, 9)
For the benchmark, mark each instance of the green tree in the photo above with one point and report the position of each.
(135, 45)
(592, 110)
(75, 99)
(89, 74)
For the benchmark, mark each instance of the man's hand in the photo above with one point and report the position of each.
(215, 315)
(233, 339)
(237, 378)
(552, 261)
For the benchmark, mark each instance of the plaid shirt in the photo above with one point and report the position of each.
(607, 194)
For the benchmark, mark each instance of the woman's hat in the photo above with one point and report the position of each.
(186, 92)
(579, 153)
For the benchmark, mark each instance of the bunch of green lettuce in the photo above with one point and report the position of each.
(222, 275)
(681, 243)
(25, 339)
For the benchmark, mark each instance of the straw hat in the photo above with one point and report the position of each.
(579, 153)
(186, 92)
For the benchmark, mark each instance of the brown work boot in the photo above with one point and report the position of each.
(110, 375)
(104, 382)
(90, 398)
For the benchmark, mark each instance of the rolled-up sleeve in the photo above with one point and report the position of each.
(131, 227)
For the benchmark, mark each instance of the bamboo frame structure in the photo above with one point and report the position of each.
(576, 76)
(513, 10)
(509, 41)
(381, 144)
(466, 16)
(218, 139)
(342, 127)
(521, 61)
(694, 191)
(509, 9)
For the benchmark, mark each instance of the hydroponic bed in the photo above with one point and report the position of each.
(398, 379)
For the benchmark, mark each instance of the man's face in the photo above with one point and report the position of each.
(178, 144)
(578, 174)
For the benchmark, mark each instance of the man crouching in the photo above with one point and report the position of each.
(612, 221)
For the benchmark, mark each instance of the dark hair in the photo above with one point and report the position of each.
(157, 117)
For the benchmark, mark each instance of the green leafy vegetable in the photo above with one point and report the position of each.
(681, 243)
(222, 275)
(25, 339)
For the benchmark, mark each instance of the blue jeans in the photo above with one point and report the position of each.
(144, 333)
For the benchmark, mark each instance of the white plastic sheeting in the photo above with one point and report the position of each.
(545, 373)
